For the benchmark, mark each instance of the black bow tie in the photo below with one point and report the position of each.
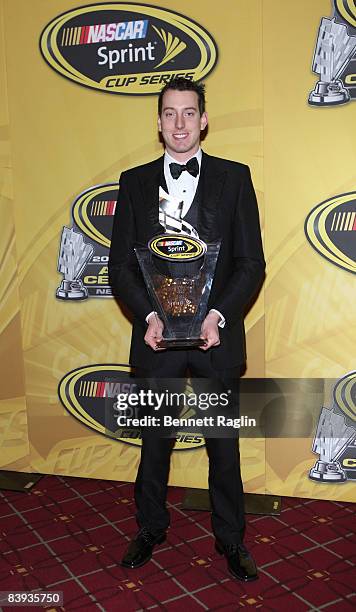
(191, 166)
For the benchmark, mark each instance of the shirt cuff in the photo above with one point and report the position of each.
(222, 319)
(148, 316)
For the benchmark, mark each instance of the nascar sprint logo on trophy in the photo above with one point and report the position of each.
(331, 230)
(335, 438)
(84, 249)
(335, 57)
(125, 48)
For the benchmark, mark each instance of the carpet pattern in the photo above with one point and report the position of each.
(69, 534)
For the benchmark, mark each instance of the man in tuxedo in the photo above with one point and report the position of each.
(219, 202)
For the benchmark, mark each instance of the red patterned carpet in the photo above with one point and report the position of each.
(68, 534)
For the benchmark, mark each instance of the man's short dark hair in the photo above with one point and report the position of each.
(182, 84)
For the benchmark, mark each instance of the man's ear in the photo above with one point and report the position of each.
(159, 124)
(203, 121)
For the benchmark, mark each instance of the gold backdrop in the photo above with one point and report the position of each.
(59, 139)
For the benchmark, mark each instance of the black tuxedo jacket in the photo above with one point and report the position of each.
(227, 211)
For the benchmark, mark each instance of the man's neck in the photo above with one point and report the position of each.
(183, 159)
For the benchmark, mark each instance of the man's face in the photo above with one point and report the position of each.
(180, 123)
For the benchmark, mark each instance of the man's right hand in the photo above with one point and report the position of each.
(154, 332)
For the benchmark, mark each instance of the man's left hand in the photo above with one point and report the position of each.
(210, 331)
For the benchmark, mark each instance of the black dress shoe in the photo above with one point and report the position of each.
(140, 549)
(240, 563)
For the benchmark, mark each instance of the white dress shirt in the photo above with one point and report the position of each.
(183, 188)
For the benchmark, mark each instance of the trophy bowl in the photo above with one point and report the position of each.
(178, 271)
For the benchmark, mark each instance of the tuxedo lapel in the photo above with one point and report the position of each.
(212, 182)
(151, 185)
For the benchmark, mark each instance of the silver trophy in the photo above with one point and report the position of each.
(170, 215)
(331, 439)
(73, 256)
(333, 50)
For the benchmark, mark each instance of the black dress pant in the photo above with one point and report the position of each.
(225, 485)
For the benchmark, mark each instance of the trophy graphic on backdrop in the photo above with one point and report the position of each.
(331, 439)
(74, 254)
(178, 269)
(336, 432)
(333, 50)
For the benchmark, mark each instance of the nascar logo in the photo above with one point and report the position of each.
(89, 394)
(343, 222)
(175, 248)
(331, 230)
(106, 32)
(93, 203)
(170, 243)
(95, 388)
(126, 48)
(102, 208)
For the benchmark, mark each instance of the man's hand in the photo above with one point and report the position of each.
(210, 331)
(154, 332)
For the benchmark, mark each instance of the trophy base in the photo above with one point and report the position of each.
(71, 290)
(329, 94)
(327, 472)
(180, 343)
